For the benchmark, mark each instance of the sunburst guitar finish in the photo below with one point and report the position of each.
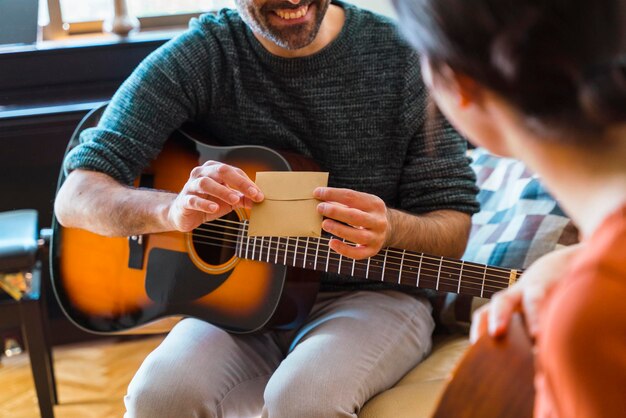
(112, 285)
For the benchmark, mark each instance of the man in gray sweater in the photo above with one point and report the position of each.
(324, 79)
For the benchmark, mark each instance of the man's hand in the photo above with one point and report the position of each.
(213, 190)
(526, 296)
(357, 217)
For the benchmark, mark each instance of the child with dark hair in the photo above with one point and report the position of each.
(545, 82)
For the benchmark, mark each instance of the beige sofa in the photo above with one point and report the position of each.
(417, 394)
(518, 222)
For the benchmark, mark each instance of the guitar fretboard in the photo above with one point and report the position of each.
(391, 265)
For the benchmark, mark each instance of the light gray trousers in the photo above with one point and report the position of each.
(353, 346)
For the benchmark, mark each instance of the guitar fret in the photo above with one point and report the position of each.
(449, 276)
(239, 246)
(277, 248)
(306, 249)
(243, 234)
(419, 270)
(353, 264)
(401, 265)
(439, 273)
(382, 276)
(261, 249)
(340, 260)
(327, 256)
(247, 245)
(482, 287)
(317, 249)
(295, 251)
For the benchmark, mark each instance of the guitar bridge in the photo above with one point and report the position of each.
(136, 250)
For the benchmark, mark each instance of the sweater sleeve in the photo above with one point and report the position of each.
(168, 88)
(437, 173)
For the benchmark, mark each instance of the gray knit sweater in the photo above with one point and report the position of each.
(358, 108)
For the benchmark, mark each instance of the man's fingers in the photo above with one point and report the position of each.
(230, 178)
(357, 252)
(206, 186)
(238, 180)
(194, 202)
(349, 216)
(351, 198)
(355, 235)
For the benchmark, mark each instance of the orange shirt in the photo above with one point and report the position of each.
(581, 357)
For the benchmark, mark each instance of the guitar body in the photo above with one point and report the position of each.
(494, 379)
(115, 285)
(217, 272)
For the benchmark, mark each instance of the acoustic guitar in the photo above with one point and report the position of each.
(494, 379)
(218, 273)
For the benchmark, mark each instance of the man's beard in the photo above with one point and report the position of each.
(294, 37)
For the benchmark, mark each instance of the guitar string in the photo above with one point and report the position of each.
(449, 270)
(506, 272)
(411, 258)
(443, 280)
(503, 270)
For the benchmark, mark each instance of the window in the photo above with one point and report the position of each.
(383, 7)
(91, 10)
(84, 16)
(68, 17)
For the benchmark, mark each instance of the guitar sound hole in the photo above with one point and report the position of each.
(215, 241)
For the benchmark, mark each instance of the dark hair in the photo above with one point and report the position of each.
(562, 63)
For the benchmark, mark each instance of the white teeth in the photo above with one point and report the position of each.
(291, 14)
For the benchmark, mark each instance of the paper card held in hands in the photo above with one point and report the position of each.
(289, 208)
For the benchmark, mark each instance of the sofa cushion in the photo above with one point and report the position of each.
(417, 393)
(518, 222)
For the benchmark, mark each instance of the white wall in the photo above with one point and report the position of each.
(380, 6)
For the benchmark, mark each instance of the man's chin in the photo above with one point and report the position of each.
(295, 33)
(293, 41)
(295, 45)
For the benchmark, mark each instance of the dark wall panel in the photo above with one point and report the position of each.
(43, 96)
(30, 160)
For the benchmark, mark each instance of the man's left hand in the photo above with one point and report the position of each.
(356, 217)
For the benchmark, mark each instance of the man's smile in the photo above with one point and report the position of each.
(290, 14)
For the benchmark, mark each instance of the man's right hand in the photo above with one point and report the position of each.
(213, 190)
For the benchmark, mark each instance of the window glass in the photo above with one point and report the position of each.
(383, 7)
(90, 10)
(81, 11)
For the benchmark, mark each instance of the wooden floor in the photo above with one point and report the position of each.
(91, 379)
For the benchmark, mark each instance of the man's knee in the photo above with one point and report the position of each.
(305, 396)
(154, 392)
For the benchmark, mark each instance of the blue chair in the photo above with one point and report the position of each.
(20, 250)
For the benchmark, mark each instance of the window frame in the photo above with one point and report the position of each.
(57, 28)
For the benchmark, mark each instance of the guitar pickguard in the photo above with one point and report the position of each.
(172, 278)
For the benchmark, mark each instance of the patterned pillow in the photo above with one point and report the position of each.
(518, 222)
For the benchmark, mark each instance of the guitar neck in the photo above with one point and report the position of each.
(391, 265)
